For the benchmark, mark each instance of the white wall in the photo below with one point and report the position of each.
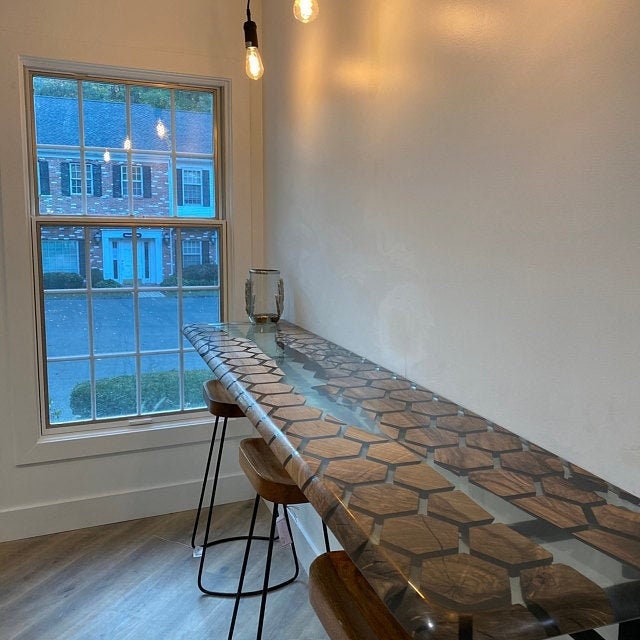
(452, 189)
(197, 38)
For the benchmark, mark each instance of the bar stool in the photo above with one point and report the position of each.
(345, 603)
(272, 483)
(220, 404)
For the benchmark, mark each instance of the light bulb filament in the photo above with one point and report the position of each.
(306, 10)
(254, 66)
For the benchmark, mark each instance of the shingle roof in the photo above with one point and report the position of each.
(57, 123)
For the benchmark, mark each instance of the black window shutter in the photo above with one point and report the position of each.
(179, 181)
(43, 177)
(64, 174)
(206, 196)
(117, 181)
(97, 180)
(146, 182)
(206, 248)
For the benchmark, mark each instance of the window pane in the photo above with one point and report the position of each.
(159, 328)
(196, 188)
(116, 387)
(200, 257)
(66, 330)
(160, 384)
(150, 118)
(194, 122)
(113, 322)
(69, 389)
(62, 252)
(104, 114)
(195, 373)
(56, 111)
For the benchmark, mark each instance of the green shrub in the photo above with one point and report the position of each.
(107, 284)
(62, 280)
(195, 275)
(97, 275)
(116, 396)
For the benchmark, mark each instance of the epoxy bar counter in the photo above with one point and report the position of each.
(464, 529)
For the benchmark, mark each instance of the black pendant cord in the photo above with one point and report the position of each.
(249, 10)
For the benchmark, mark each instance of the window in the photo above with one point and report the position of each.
(119, 269)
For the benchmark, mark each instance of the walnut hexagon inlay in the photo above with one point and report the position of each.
(332, 448)
(457, 508)
(501, 545)
(420, 535)
(536, 465)
(494, 442)
(313, 429)
(462, 460)
(435, 408)
(462, 424)
(383, 500)
(421, 478)
(506, 484)
(391, 453)
(298, 413)
(358, 471)
(431, 438)
(570, 599)
(465, 583)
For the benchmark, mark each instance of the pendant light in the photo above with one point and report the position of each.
(253, 61)
(306, 10)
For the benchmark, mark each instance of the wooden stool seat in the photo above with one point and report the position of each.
(345, 603)
(267, 475)
(218, 400)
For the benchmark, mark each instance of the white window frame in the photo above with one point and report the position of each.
(32, 446)
(189, 182)
(136, 182)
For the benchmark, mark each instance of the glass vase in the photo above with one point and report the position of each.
(264, 295)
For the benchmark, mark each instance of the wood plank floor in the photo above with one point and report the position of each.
(137, 581)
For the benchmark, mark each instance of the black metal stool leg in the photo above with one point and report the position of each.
(267, 570)
(209, 515)
(243, 570)
(325, 533)
(205, 481)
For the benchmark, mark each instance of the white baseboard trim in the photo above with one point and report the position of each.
(36, 520)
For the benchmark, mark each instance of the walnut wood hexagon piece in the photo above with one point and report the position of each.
(363, 436)
(313, 429)
(462, 424)
(282, 400)
(392, 453)
(420, 535)
(411, 395)
(536, 465)
(618, 520)
(494, 442)
(364, 393)
(291, 414)
(618, 547)
(572, 601)
(358, 471)
(421, 478)
(506, 484)
(462, 460)
(457, 508)
(435, 408)
(464, 583)
(332, 448)
(563, 515)
(402, 419)
(501, 545)
(431, 438)
(557, 487)
(382, 405)
(391, 384)
(383, 500)
(271, 388)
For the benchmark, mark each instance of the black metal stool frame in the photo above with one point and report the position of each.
(206, 543)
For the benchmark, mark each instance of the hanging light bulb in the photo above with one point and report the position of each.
(161, 129)
(126, 145)
(107, 155)
(306, 10)
(253, 61)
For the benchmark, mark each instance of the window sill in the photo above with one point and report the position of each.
(67, 446)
